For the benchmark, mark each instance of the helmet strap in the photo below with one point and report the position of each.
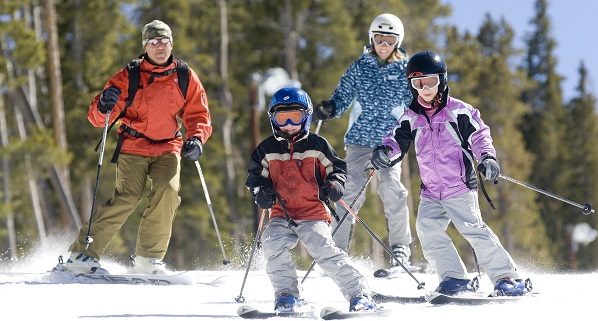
(439, 97)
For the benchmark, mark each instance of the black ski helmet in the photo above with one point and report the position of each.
(427, 63)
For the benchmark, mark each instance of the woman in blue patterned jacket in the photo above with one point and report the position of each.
(376, 86)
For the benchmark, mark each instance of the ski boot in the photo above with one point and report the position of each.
(512, 287)
(452, 286)
(286, 303)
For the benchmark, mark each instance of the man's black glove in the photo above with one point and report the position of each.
(192, 149)
(108, 99)
(325, 110)
(333, 190)
(489, 168)
(380, 158)
(264, 196)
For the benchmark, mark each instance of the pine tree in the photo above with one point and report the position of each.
(582, 167)
(25, 134)
(543, 127)
(96, 41)
(500, 91)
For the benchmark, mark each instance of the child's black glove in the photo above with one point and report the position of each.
(489, 168)
(264, 196)
(333, 190)
(380, 158)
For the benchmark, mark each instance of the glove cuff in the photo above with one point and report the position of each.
(484, 157)
(331, 108)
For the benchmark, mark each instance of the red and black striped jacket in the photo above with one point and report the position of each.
(296, 170)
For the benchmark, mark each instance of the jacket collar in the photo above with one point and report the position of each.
(419, 109)
(146, 65)
(282, 137)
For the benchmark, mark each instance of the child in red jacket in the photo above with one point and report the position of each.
(293, 172)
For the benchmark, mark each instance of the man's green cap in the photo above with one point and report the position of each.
(155, 29)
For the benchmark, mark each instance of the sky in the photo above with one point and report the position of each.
(560, 296)
(574, 25)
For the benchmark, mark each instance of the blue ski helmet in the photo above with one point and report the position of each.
(291, 97)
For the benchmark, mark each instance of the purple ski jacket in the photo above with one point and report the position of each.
(444, 145)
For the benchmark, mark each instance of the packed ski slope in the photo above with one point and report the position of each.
(21, 298)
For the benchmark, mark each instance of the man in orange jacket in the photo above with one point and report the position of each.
(151, 146)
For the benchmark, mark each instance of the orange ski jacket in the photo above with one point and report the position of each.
(157, 110)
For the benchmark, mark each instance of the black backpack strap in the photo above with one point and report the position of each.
(128, 130)
(134, 79)
(182, 70)
(183, 73)
(119, 145)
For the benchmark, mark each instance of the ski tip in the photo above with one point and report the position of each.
(430, 296)
(244, 309)
(220, 281)
(328, 311)
(381, 273)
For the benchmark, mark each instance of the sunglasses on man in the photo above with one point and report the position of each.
(155, 41)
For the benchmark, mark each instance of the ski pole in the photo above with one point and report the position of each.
(475, 282)
(477, 263)
(318, 126)
(88, 238)
(225, 261)
(586, 209)
(240, 297)
(342, 220)
(420, 285)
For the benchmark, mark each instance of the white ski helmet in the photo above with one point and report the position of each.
(389, 24)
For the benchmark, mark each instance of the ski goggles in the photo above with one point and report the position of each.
(385, 38)
(285, 117)
(430, 82)
(155, 41)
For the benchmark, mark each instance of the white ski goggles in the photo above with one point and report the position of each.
(385, 38)
(430, 82)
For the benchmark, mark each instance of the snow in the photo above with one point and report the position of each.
(560, 296)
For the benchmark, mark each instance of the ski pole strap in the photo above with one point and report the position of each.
(286, 214)
(484, 191)
(128, 130)
(159, 74)
(332, 211)
(122, 113)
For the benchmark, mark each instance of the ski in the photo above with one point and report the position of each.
(330, 313)
(479, 299)
(382, 298)
(249, 312)
(64, 277)
(395, 271)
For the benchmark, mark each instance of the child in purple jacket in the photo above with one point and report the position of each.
(447, 134)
